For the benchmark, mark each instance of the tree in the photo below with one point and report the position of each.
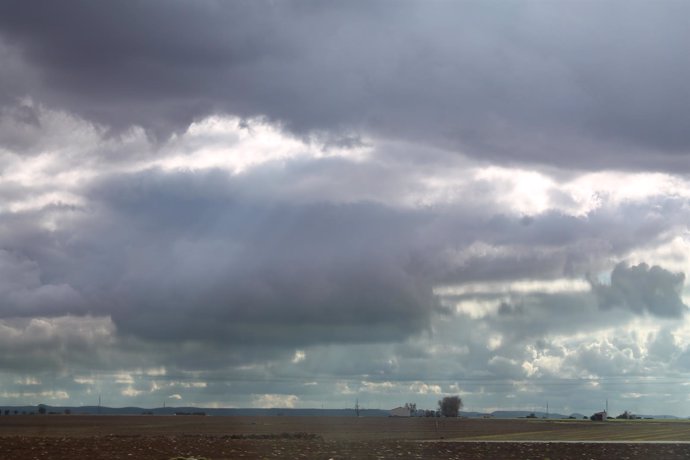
(450, 406)
(41, 409)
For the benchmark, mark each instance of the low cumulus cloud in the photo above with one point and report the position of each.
(55, 344)
(23, 293)
(172, 256)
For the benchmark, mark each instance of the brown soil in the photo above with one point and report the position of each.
(216, 438)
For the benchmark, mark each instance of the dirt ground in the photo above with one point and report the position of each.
(216, 438)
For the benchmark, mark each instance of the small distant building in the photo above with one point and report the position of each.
(400, 412)
(599, 417)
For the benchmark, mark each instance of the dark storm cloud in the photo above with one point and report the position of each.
(24, 289)
(644, 289)
(214, 257)
(207, 270)
(533, 316)
(185, 256)
(585, 84)
(553, 244)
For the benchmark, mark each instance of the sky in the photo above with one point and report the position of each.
(309, 204)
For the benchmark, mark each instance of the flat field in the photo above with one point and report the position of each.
(163, 437)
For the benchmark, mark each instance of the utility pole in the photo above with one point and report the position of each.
(357, 407)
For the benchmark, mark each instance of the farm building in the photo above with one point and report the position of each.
(400, 412)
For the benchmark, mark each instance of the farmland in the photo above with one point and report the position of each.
(164, 437)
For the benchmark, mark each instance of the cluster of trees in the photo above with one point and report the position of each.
(447, 407)
(450, 406)
(41, 409)
(17, 412)
(628, 416)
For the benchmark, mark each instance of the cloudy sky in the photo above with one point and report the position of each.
(301, 204)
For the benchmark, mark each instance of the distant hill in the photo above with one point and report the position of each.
(474, 414)
(191, 411)
(523, 414)
(103, 410)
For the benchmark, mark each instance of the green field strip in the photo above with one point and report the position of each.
(589, 434)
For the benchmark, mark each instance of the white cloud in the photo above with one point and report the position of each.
(155, 371)
(556, 286)
(275, 401)
(23, 396)
(477, 309)
(123, 377)
(238, 145)
(423, 388)
(299, 356)
(344, 389)
(494, 342)
(190, 384)
(131, 391)
(527, 192)
(377, 387)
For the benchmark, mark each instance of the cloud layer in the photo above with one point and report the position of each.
(253, 204)
(582, 85)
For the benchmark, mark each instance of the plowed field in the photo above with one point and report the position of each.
(216, 438)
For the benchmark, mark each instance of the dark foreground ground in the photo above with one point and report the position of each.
(216, 438)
